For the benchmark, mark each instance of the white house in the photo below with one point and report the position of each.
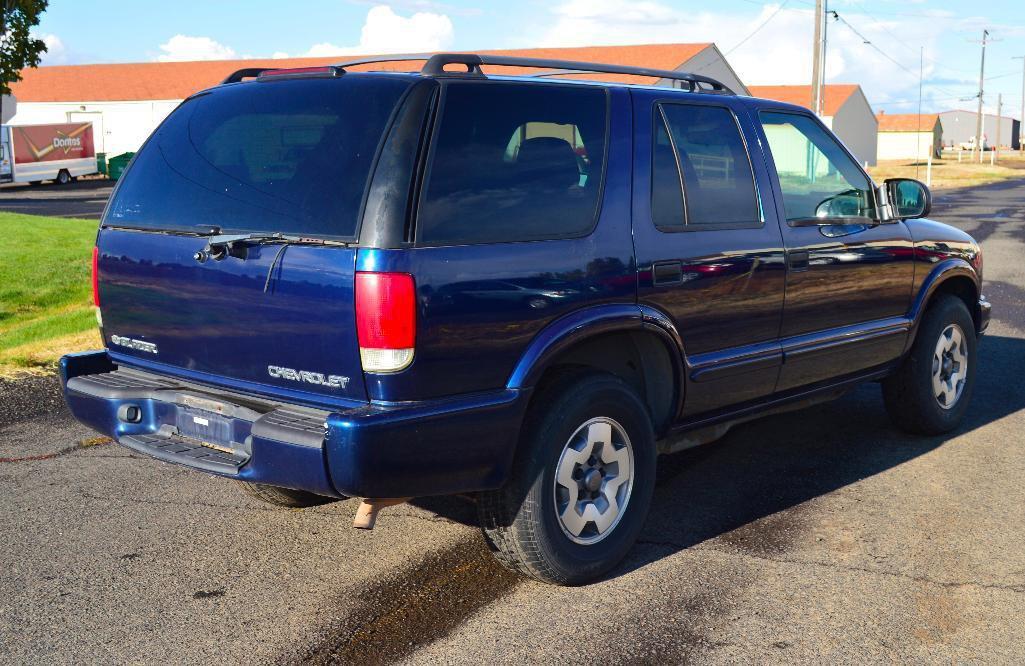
(845, 110)
(126, 101)
(909, 136)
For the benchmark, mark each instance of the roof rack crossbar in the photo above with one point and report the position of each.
(246, 73)
(436, 63)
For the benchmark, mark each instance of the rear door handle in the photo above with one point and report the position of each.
(798, 261)
(667, 272)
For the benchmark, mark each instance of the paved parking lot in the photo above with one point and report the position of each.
(84, 198)
(817, 536)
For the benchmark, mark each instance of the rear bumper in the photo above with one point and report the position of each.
(438, 447)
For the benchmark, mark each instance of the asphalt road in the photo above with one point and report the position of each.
(84, 198)
(816, 536)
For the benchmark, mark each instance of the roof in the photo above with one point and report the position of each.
(907, 122)
(834, 96)
(975, 113)
(178, 80)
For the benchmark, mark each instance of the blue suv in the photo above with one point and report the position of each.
(328, 283)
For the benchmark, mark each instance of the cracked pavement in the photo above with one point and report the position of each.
(817, 536)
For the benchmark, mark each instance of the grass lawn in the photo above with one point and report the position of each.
(948, 172)
(45, 291)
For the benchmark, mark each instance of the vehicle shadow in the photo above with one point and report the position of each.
(764, 468)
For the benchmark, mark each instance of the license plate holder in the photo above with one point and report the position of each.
(206, 428)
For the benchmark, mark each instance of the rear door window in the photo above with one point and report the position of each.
(289, 156)
(700, 147)
(514, 162)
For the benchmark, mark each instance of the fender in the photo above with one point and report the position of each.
(580, 325)
(941, 272)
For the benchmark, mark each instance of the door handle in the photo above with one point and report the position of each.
(667, 272)
(798, 261)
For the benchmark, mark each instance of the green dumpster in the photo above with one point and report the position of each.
(101, 163)
(116, 165)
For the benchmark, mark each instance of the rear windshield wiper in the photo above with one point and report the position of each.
(220, 246)
(237, 245)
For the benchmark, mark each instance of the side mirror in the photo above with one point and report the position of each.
(908, 197)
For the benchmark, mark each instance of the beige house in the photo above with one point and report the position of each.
(909, 136)
(845, 110)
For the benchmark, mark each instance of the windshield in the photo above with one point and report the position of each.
(284, 156)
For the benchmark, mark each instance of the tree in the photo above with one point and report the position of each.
(18, 48)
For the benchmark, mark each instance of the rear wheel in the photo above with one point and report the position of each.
(63, 177)
(930, 392)
(582, 486)
(286, 497)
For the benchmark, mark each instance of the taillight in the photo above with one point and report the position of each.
(385, 320)
(96, 276)
(96, 286)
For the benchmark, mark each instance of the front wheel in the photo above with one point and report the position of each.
(930, 392)
(582, 486)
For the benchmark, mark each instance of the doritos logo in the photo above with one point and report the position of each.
(63, 141)
(41, 143)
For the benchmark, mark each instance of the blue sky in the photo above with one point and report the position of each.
(766, 42)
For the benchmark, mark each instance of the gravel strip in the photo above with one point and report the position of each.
(28, 397)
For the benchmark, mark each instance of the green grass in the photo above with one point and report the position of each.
(45, 289)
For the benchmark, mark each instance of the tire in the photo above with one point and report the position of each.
(285, 497)
(914, 403)
(522, 522)
(63, 177)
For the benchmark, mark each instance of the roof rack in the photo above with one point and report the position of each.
(247, 73)
(435, 66)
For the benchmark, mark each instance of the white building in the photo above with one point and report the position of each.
(959, 127)
(909, 136)
(125, 102)
(845, 110)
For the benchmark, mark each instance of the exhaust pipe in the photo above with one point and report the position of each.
(369, 507)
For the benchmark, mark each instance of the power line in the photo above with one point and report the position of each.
(886, 55)
(760, 26)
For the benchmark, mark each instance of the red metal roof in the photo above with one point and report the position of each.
(177, 80)
(907, 122)
(834, 96)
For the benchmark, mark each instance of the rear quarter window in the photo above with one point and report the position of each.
(514, 162)
(289, 156)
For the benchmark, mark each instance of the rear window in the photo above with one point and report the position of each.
(289, 156)
(514, 162)
(701, 147)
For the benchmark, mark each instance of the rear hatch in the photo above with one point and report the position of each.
(265, 315)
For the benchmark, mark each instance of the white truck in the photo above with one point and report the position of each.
(59, 152)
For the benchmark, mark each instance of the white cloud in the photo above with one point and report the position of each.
(185, 47)
(387, 32)
(56, 53)
(779, 53)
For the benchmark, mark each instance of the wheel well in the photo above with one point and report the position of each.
(962, 287)
(639, 359)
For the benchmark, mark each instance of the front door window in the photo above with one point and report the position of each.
(818, 178)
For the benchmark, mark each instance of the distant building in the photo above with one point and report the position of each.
(125, 102)
(909, 135)
(845, 110)
(959, 127)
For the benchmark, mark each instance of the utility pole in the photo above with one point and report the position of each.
(982, 74)
(818, 64)
(1000, 110)
(1021, 123)
(918, 126)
